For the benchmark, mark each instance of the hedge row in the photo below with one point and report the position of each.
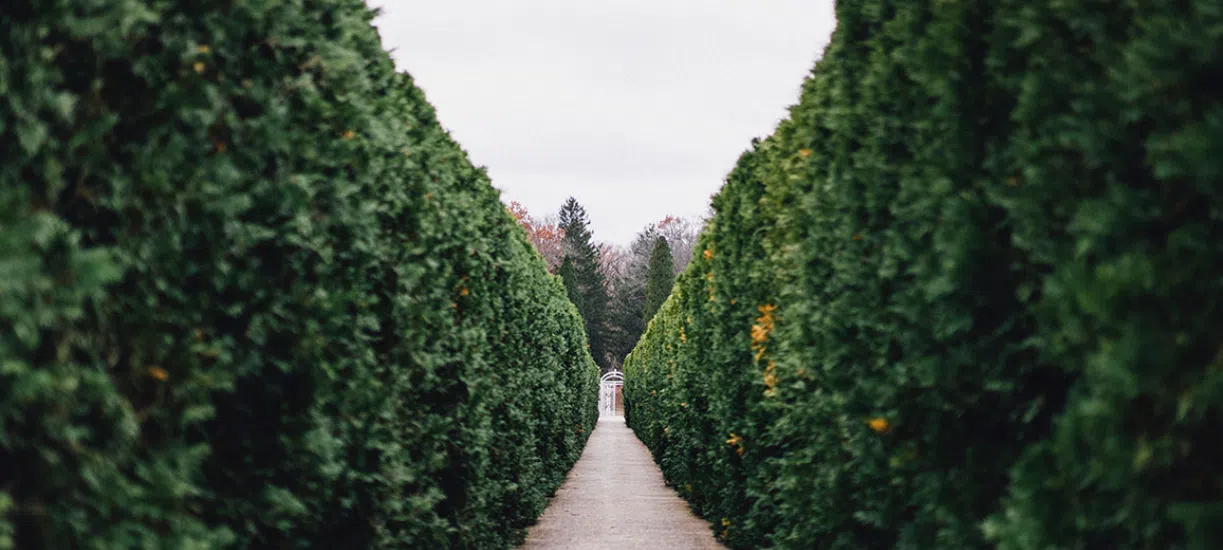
(968, 295)
(253, 296)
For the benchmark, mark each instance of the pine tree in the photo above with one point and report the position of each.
(660, 278)
(579, 270)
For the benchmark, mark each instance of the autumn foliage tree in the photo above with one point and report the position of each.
(545, 234)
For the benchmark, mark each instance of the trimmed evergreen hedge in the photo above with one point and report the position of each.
(967, 296)
(253, 296)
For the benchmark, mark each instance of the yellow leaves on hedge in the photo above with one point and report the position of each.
(762, 329)
(464, 291)
(880, 425)
(759, 335)
(736, 442)
(158, 373)
(349, 134)
(199, 67)
(708, 254)
(770, 377)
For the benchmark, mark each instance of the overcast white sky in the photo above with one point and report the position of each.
(638, 108)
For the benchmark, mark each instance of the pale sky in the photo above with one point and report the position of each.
(638, 108)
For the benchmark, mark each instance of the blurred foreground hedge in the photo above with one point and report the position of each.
(969, 295)
(253, 296)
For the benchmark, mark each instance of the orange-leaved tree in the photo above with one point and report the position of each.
(544, 234)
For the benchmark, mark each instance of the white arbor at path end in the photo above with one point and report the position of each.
(608, 384)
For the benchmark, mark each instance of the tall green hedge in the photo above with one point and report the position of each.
(253, 296)
(967, 296)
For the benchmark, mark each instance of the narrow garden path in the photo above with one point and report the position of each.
(615, 498)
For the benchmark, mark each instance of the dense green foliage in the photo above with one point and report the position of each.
(584, 283)
(253, 296)
(660, 277)
(967, 296)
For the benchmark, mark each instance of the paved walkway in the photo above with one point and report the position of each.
(615, 498)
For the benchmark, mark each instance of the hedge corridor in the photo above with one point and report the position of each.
(252, 295)
(968, 295)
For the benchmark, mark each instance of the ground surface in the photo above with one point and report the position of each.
(615, 498)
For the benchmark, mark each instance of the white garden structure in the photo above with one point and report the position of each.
(608, 384)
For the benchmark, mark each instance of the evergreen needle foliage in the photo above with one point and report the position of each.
(659, 278)
(584, 282)
(968, 295)
(253, 296)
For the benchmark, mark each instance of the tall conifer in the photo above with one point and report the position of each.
(584, 283)
(660, 278)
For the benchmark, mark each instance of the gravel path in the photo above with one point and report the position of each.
(615, 498)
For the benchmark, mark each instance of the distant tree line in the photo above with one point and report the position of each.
(616, 288)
